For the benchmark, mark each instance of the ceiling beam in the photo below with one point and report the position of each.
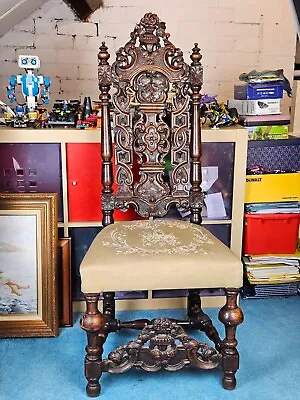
(14, 11)
(84, 8)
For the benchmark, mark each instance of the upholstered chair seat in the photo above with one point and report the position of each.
(158, 254)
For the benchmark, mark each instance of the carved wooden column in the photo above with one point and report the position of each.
(93, 322)
(231, 316)
(196, 80)
(104, 78)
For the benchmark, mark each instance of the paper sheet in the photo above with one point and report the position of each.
(215, 205)
(209, 177)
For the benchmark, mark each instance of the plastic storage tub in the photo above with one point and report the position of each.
(271, 233)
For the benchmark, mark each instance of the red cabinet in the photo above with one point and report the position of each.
(84, 184)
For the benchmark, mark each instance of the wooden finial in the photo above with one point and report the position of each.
(196, 56)
(103, 54)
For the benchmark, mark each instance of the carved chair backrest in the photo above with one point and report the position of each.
(156, 114)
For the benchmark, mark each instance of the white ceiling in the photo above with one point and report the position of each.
(14, 11)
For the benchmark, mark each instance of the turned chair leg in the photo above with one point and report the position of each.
(231, 316)
(198, 316)
(93, 323)
(109, 308)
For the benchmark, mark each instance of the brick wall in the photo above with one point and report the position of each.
(235, 36)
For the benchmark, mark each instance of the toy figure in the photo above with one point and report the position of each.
(89, 118)
(218, 114)
(42, 119)
(44, 116)
(64, 113)
(9, 114)
(86, 108)
(21, 119)
(30, 87)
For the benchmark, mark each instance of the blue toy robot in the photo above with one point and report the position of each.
(30, 87)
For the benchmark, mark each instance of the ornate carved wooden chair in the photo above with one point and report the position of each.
(155, 253)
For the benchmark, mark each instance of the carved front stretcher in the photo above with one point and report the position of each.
(162, 344)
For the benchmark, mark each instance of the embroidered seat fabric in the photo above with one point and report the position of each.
(147, 253)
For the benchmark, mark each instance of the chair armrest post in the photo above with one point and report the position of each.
(196, 80)
(104, 78)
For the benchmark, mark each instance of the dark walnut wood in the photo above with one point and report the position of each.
(163, 350)
(231, 316)
(109, 304)
(156, 117)
(93, 323)
(146, 69)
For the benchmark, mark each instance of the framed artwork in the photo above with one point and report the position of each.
(28, 265)
(64, 282)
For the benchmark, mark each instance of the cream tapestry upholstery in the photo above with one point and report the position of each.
(158, 254)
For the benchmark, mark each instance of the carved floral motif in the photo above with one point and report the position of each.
(107, 201)
(196, 75)
(196, 200)
(151, 87)
(104, 75)
(151, 139)
(150, 235)
(180, 142)
(145, 47)
(151, 188)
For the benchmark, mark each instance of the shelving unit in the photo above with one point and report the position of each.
(229, 144)
(270, 233)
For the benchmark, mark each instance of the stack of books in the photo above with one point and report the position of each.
(271, 275)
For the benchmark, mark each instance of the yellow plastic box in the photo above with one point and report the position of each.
(272, 188)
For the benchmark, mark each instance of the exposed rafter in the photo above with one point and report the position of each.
(84, 8)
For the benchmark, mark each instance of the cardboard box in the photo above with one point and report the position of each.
(272, 188)
(268, 132)
(258, 91)
(256, 107)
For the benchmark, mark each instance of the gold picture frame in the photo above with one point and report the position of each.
(28, 265)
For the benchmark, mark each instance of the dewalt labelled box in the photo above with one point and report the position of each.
(272, 187)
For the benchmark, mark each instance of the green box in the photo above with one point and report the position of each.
(265, 132)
